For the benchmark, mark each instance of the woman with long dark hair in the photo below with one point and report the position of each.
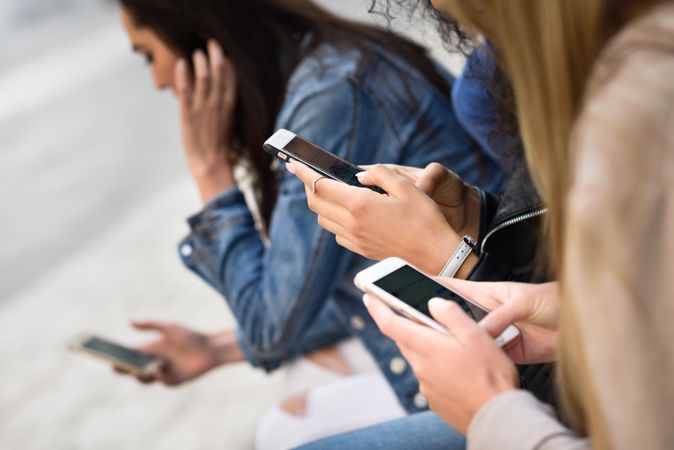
(240, 70)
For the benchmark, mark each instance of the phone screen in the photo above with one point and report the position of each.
(129, 356)
(316, 156)
(416, 289)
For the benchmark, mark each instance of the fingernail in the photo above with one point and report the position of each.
(361, 174)
(436, 303)
(290, 167)
(366, 301)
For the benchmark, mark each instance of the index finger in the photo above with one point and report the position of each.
(306, 174)
(330, 190)
(411, 173)
(216, 60)
(150, 325)
(496, 322)
(183, 84)
(482, 293)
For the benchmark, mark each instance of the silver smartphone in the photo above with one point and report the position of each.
(133, 361)
(287, 145)
(407, 291)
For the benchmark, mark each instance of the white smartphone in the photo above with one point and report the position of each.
(287, 145)
(407, 291)
(133, 361)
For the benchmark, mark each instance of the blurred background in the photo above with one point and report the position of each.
(93, 194)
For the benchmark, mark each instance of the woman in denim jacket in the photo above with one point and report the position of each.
(363, 93)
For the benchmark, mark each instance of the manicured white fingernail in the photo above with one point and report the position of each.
(290, 167)
(361, 174)
(366, 301)
(436, 303)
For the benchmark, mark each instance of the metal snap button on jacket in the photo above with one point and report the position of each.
(397, 365)
(420, 401)
(186, 250)
(357, 322)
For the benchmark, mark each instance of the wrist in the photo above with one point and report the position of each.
(460, 257)
(224, 348)
(467, 267)
(213, 181)
(501, 383)
(471, 223)
(443, 246)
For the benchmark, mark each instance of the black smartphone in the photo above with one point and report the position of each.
(286, 145)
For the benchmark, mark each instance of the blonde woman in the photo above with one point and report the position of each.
(595, 102)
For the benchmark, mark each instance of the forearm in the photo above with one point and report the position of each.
(327, 330)
(442, 251)
(215, 180)
(273, 299)
(225, 348)
(515, 420)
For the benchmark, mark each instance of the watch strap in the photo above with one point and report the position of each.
(459, 256)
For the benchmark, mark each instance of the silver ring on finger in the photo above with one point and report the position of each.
(315, 182)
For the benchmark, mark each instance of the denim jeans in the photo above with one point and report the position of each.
(421, 431)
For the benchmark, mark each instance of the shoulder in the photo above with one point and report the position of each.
(321, 83)
(625, 129)
(325, 61)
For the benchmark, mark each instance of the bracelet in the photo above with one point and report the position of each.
(457, 259)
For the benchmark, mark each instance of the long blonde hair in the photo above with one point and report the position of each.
(547, 49)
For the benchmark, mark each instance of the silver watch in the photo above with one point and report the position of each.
(455, 262)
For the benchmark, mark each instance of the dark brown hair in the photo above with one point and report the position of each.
(262, 37)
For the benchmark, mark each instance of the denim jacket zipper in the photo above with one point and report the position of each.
(513, 221)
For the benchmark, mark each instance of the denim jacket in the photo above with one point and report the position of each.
(295, 293)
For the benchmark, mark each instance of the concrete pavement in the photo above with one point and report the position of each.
(52, 399)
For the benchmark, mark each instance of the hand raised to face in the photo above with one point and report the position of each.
(207, 107)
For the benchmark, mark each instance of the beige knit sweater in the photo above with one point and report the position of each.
(620, 254)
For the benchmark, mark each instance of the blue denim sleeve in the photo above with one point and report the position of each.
(276, 292)
(327, 329)
(474, 107)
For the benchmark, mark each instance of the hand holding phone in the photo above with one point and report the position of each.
(287, 145)
(407, 291)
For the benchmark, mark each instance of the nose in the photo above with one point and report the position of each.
(161, 81)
